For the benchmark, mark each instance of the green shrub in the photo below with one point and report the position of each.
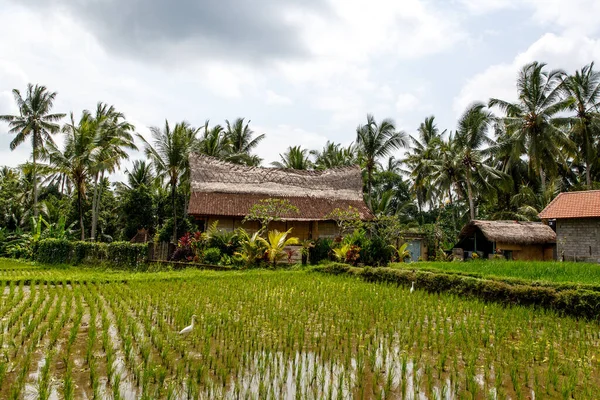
(321, 251)
(53, 251)
(212, 255)
(89, 252)
(376, 252)
(126, 254)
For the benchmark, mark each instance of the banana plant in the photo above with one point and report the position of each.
(402, 253)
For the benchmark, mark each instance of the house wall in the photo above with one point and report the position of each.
(300, 229)
(528, 252)
(578, 239)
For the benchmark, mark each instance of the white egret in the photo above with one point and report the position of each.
(188, 329)
(412, 288)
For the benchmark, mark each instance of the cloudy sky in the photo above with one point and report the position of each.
(304, 71)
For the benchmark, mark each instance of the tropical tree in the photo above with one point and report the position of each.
(276, 242)
(295, 157)
(242, 142)
(214, 142)
(471, 137)
(76, 161)
(34, 121)
(533, 123)
(169, 153)
(375, 141)
(113, 139)
(334, 155)
(424, 152)
(583, 89)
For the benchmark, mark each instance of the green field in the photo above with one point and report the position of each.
(276, 334)
(542, 271)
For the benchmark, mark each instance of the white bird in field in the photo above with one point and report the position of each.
(412, 288)
(188, 329)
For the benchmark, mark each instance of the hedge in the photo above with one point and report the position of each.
(120, 254)
(574, 302)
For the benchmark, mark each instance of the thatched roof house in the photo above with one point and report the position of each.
(514, 239)
(225, 192)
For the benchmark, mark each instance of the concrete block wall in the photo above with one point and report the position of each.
(578, 239)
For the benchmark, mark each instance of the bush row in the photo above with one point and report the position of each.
(573, 302)
(59, 251)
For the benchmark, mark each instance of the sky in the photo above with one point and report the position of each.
(303, 71)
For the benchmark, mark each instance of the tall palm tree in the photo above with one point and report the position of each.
(169, 153)
(424, 152)
(295, 157)
(140, 174)
(76, 161)
(584, 90)
(533, 123)
(375, 141)
(113, 139)
(34, 121)
(242, 142)
(471, 139)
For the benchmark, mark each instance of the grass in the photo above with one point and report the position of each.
(543, 271)
(283, 334)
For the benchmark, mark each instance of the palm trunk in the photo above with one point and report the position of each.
(543, 179)
(369, 179)
(173, 203)
(94, 209)
(588, 175)
(34, 176)
(80, 206)
(470, 194)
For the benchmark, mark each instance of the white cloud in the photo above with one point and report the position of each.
(280, 137)
(273, 98)
(566, 51)
(479, 7)
(406, 102)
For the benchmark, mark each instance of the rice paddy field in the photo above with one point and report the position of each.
(78, 334)
(544, 271)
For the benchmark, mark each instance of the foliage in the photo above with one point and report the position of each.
(54, 251)
(252, 250)
(269, 210)
(275, 244)
(346, 219)
(401, 253)
(320, 251)
(117, 254)
(212, 255)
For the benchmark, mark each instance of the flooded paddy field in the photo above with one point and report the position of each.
(278, 335)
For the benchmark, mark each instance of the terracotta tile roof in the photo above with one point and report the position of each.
(573, 205)
(238, 205)
(223, 189)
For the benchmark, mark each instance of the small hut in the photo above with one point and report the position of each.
(515, 240)
(142, 236)
(225, 192)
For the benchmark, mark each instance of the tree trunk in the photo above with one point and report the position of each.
(80, 206)
(34, 175)
(173, 203)
(369, 179)
(588, 175)
(94, 209)
(470, 194)
(543, 179)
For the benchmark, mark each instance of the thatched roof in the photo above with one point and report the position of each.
(224, 189)
(513, 232)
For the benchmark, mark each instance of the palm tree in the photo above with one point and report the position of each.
(242, 142)
(294, 158)
(424, 153)
(34, 121)
(140, 174)
(375, 141)
(584, 90)
(169, 154)
(76, 160)
(113, 138)
(533, 123)
(214, 142)
(471, 137)
(276, 242)
(334, 155)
